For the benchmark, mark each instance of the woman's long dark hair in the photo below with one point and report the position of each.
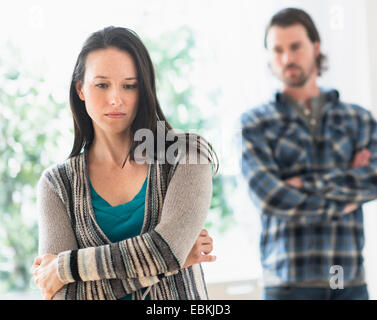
(149, 110)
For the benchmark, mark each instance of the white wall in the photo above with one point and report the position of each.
(371, 208)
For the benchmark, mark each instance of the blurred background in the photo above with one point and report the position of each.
(211, 66)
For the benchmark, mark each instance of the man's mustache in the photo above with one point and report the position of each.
(292, 65)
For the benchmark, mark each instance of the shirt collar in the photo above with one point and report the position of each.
(332, 95)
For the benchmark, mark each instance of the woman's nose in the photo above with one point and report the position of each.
(115, 99)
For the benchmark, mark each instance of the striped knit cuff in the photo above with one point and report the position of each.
(67, 266)
(148, 281)
(168, 274)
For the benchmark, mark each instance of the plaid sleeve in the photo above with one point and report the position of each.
(357, 184)
(271, 194)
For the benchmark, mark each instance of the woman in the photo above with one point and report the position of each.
(111, 226)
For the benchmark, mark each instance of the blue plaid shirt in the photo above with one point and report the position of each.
(304, 231)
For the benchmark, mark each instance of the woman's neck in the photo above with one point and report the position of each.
(109, 149)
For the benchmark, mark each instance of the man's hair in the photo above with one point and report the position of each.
(292, 16)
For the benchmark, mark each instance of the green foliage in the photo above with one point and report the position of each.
(29, 130)
(173, 59)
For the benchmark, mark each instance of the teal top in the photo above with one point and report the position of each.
(122, 221)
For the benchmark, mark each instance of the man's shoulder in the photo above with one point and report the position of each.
(337, 108)
(351, 109)
(261, 113)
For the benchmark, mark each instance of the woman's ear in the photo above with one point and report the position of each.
(79, 90)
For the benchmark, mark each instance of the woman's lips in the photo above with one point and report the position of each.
(115, 115)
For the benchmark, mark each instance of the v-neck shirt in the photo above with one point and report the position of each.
(122, 221)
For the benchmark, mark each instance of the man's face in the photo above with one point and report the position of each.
(292, 54)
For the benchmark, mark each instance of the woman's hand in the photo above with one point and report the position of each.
(201, 250)
(46, 275)
(46, 267)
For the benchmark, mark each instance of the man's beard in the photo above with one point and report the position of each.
(297, 81)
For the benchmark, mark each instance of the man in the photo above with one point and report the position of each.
(310, 161)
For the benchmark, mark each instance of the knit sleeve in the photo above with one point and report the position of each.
(56, 235)
(159, 251)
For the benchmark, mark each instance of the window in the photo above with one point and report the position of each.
(226, 73)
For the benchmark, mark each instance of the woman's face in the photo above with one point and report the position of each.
(110, 90)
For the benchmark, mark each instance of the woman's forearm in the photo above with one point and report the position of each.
(157, 252)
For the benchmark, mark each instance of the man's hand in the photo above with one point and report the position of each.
(361, 159)
(295, 182)
(350, 207)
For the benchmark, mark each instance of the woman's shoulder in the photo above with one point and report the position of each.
(189, 148)
(193, 158)
(64, 170)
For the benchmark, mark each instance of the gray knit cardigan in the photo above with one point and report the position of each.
(92, 267)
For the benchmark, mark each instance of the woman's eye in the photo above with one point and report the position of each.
(102, 85)
(131, 86)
